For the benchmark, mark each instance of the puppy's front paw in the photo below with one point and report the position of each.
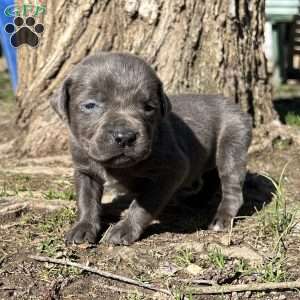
(123, 233)
(220, 222)
(82, 232)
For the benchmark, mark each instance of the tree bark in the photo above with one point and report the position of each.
(208, 46)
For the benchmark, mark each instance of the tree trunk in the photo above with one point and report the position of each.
(209, 46)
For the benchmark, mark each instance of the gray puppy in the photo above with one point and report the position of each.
(122, 131)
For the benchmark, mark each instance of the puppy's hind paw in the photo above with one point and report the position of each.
(221, 222)
(123, 233)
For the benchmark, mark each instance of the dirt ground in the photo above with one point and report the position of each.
(37, 207)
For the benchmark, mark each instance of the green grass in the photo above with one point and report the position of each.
(276, 219)
(184, 257)
(287, 90)
(217, 258)
(273, 270)
(242, 266)
(180, 295)
(6, 92)
(58, 221)
(6, 192)
(276, 222)
(63, 195)
(51, 272)
(50, 246)
(292, 119)
(135, 296)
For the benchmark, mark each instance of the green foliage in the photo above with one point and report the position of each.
(184, 257)
(135, 296)
(217, 258)
(63, 195)
(292, 119)
(50, 246)
(56, 222)
(6, 92)
(273, 271)
(276, 219)
(6, 192)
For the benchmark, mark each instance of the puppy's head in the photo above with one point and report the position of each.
(113, 104)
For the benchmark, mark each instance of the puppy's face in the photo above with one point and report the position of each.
(113, 104)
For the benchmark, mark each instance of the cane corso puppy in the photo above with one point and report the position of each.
(124, 130)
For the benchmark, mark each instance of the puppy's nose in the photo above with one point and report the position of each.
(125, 137)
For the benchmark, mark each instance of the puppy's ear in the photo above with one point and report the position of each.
(165, 104)
(60, 100)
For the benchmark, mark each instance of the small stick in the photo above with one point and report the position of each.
(99, 272)
(217, 289)
(246, 287)
(198, 281)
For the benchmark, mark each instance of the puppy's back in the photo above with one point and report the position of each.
(207, 114)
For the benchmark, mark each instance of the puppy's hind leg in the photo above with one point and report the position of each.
(231, 162)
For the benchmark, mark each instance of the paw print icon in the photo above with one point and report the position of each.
(24, 31)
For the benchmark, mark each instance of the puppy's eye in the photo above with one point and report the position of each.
(89, 106)
(149, 108)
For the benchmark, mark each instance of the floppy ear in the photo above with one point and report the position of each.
(165, 104)
(60, 100)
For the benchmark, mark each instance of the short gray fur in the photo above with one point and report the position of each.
(124, 130)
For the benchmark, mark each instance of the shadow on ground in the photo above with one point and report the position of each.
(192, 214)
(287, 106)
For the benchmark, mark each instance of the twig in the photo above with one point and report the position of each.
(3, 258)
(246, 287)
(231, 228)
(99, 272)
(198, 281)
(105, 234)
(8, 226)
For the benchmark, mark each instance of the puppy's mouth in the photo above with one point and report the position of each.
(120, 159)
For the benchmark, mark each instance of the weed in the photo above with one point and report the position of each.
(282, 143)
(59, 271)
(217, 258)
(292, 119)
(5, 192)
(144, 278)
(184, 257)
(135, 296)
(57, 221)
(276, 219)
(273, 270)
(242, 267)
(64, 195)
(6, 92)
(179, 295)
(50, 246)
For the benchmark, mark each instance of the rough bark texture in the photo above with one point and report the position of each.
(211, 46)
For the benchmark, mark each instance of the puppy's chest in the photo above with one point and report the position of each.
(113, 184)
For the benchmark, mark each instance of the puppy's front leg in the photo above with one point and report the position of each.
(144, 208)
(89, 193)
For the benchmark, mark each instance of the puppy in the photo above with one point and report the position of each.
(122, 131)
